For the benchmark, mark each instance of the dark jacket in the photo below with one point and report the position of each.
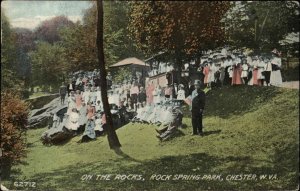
(63, 90)
(198, 102)
(142, 97)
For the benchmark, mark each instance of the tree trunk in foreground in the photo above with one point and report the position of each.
(111, 133)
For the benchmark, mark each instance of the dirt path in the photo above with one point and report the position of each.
(292, 84)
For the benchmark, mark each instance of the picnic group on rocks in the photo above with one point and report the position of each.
(160, 106)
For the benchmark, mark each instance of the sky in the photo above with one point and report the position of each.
(29, 14)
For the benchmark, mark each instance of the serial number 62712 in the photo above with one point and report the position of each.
(25, 184)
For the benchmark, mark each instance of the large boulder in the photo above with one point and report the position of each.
(56, 135)
(39, 102)
(41, 117)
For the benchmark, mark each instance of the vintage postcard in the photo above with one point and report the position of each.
(149, 95)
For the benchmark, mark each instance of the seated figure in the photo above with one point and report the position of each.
(73, 120)
(89, 132)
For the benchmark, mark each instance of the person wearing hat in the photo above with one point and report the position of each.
(198, 103)
(275, 78)
(245, 69)
(267, 70)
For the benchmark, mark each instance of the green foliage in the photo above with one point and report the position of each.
(273, 20)
(14, 114)
(80, 40)
(122, 74)
(48, 64)
(261, 138)
(8, 56)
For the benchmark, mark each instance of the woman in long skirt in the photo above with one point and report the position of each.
(276, 78)
(236, 77)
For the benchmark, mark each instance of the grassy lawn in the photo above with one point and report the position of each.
(248, 130)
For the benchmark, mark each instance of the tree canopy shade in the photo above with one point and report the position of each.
(111, 134)
(80, 40)
(181, 28)
(261, 24)
(49, 30)
(9, 78)
(48, 64)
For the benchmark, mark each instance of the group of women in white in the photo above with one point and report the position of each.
(240, 69)
(85, 110)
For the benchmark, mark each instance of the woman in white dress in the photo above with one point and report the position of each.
(245, 69)
(73, 120)
(71, 102)
(276, 78)
(211, 74)
(260, 75)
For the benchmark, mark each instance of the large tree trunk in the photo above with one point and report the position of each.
(111, 134)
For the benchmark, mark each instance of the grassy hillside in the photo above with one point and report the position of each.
(248, 130)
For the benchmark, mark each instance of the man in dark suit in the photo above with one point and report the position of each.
(198, 104)
(62, 93)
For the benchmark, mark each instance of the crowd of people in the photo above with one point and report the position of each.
(235, 68)
(159, 105)
(82, 96)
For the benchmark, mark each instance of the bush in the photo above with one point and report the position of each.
(14, 114)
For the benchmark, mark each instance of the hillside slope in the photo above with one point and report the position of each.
(248, 130)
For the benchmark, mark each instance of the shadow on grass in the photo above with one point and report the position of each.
(237, 100)
(183, 126)
(119, 152)
(72, 177)
(207, 133)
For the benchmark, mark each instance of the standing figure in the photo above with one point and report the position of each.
(62, 93)
(134, 90)
(198, 103)
(206, 72)
(70, 88)
(267, 71)
(254, 80)
(142, 96)
(236, 76)
(260, 75)
(245, 68)
(222, 75)
(276, 78)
